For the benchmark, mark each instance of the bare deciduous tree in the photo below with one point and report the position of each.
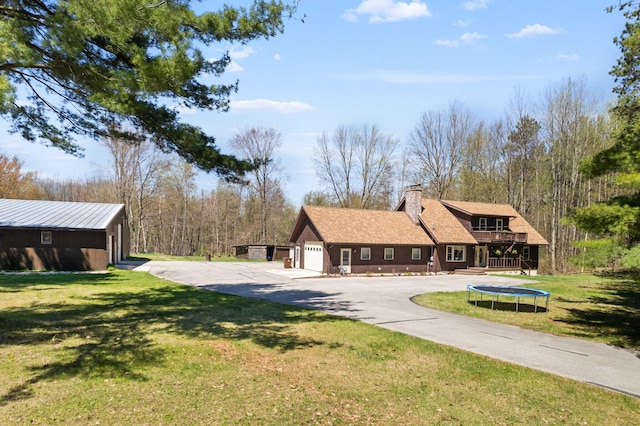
(356, 166)
(258, 145)
(436, 146)
(136, 169)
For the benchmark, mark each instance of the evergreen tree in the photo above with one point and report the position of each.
(84, 68)
(619, 217)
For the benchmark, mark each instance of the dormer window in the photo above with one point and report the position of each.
(499, 225)
(483, 223)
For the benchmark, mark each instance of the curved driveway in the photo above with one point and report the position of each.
(386, 302)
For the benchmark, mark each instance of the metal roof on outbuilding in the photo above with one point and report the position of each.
(56, 214)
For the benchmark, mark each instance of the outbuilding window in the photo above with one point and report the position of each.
(416, 253)
(456, 253)
(46, 237)
(388, 253)
(365, 253)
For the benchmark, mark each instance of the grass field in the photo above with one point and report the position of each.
(125, 348)
(602, 308)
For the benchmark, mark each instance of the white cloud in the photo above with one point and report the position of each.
(566, 57)
(470, 38)
(238, 55)
(387, 11)
(533, 31)
(475, 4)
(269, 105)
(234, 67)
(277, 57)
(460, 23)
(447, 43)
(183, 110)
(466, 38)
(241, 54)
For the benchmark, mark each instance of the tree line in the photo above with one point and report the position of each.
(109, 72)
(529, 158)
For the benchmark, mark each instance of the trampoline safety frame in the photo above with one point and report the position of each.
(517, 292)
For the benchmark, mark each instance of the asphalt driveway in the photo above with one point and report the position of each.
(386, 302)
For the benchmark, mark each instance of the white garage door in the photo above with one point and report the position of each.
(313, 255)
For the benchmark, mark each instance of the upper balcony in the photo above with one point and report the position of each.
(505, 236)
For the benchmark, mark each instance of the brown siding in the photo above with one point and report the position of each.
(69, 250)
(56, 259)
(440, 259)
(401, 262)
(464, 219)
(308, 233)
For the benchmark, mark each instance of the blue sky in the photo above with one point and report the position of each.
(386, 62)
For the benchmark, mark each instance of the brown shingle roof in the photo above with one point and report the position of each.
(484, 209)
(444, 226)
(357, 226)
(517, 223)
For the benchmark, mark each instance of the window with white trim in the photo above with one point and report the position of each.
(456, 253)
(499, 225)
(416, 253)
(46, 237)
(365, 253)
(482, 224)
(388, 253)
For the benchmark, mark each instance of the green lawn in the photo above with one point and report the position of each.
(601, 308)
(125, 348)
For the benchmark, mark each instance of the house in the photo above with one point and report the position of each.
(65, 236)
(421, 235)
(335, 240)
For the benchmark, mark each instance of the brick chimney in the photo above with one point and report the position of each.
(413, 202)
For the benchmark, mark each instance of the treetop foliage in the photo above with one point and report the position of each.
(619, 217)
(624, 156)
(84, 68)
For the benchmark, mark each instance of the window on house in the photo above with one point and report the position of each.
(388, 253)
(46, 237)
(365, 253)
(455, 253)
(526, 252)
(483, 224)
(416, 253)
(499, 225)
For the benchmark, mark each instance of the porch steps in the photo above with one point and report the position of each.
(471, 271)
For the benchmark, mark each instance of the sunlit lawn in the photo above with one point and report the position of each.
(125, 348)
(602, 308)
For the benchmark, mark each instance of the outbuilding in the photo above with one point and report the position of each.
(60, 235)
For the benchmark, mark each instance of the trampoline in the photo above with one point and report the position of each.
(517, 292)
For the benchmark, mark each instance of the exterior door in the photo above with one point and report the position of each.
(481, 256)
(345, 260)
(296, 261)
